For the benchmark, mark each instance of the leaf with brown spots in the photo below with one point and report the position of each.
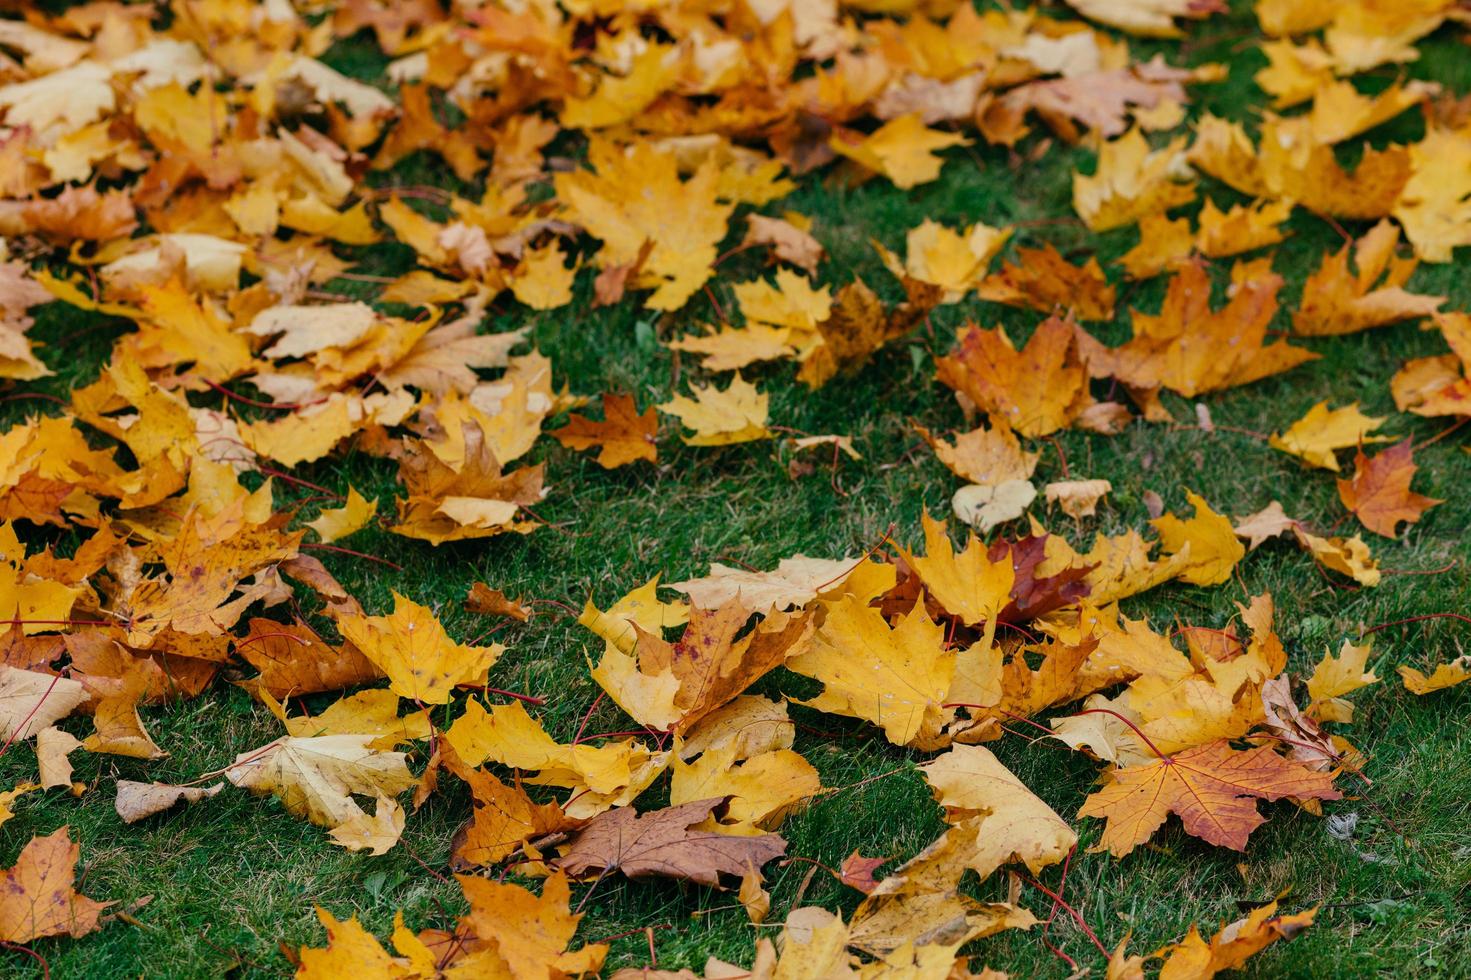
(38, 897)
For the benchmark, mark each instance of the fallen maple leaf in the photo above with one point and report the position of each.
(1190, 349)
(985, 456)
(795, 581)
(858, 326)
(422, 663)
(896, 678)
(856, 871)
(955, 261)
(8, 797)
(666, 685)
(634, 197)
(1043, 280)
(1036, 390)
(758, 791)
(1334, 677)
(1445, 675)
(376, 834)
(662, 842)
(37, 895)
(316, 777)
(1336, 301)
(721, 418)
(1194, 959)
(624, 436)
(485, 601)
(1131, 181)
(1213, 548)
(503, 819)
(335, 523)
(293, 659)
(789, 240)
(1078, 498)
(1379, 494)
(1014, 825)
(1212, 788)
(902, 149)
(31, 701)
(1314, 437)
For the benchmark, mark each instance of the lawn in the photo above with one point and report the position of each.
(231, 880)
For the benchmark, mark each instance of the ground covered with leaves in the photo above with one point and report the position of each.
(715, 489)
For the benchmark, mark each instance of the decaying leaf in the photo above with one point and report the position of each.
(665, 843)
(135, 800)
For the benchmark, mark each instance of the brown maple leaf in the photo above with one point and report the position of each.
(859, 325)
(856, 871)
(484, 600)
(665, 843)
(624, 436)
(1379, 494)
(1031, 595)
(293, 659)
(38, 897)
(1213, 788)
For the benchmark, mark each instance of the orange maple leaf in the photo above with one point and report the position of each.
(1379, 494)
(1213, 789)
(624, 436)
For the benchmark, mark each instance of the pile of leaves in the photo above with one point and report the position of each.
(196, 171)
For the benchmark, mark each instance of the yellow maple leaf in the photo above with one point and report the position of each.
(956, 261)
(542, 280)
(316, 778)
(1214, 550)
(721, 417)
(1014, 825)
(896, 678)
(968, 584)
(1131, 182)
(1336, 301)
(422, 663)
(1314, 437)
(902, 149)
(338, 522)
(1334, 677)
(635, 196)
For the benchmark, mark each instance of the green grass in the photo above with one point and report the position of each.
(231, 878)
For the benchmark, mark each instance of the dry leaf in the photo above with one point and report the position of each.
(1379, 494)
(665, 843)
(136, 801)
(624, 436)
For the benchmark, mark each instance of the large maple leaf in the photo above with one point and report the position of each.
(1036, 390)
(637, 196)
(1190, 349)
(1212, 788)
